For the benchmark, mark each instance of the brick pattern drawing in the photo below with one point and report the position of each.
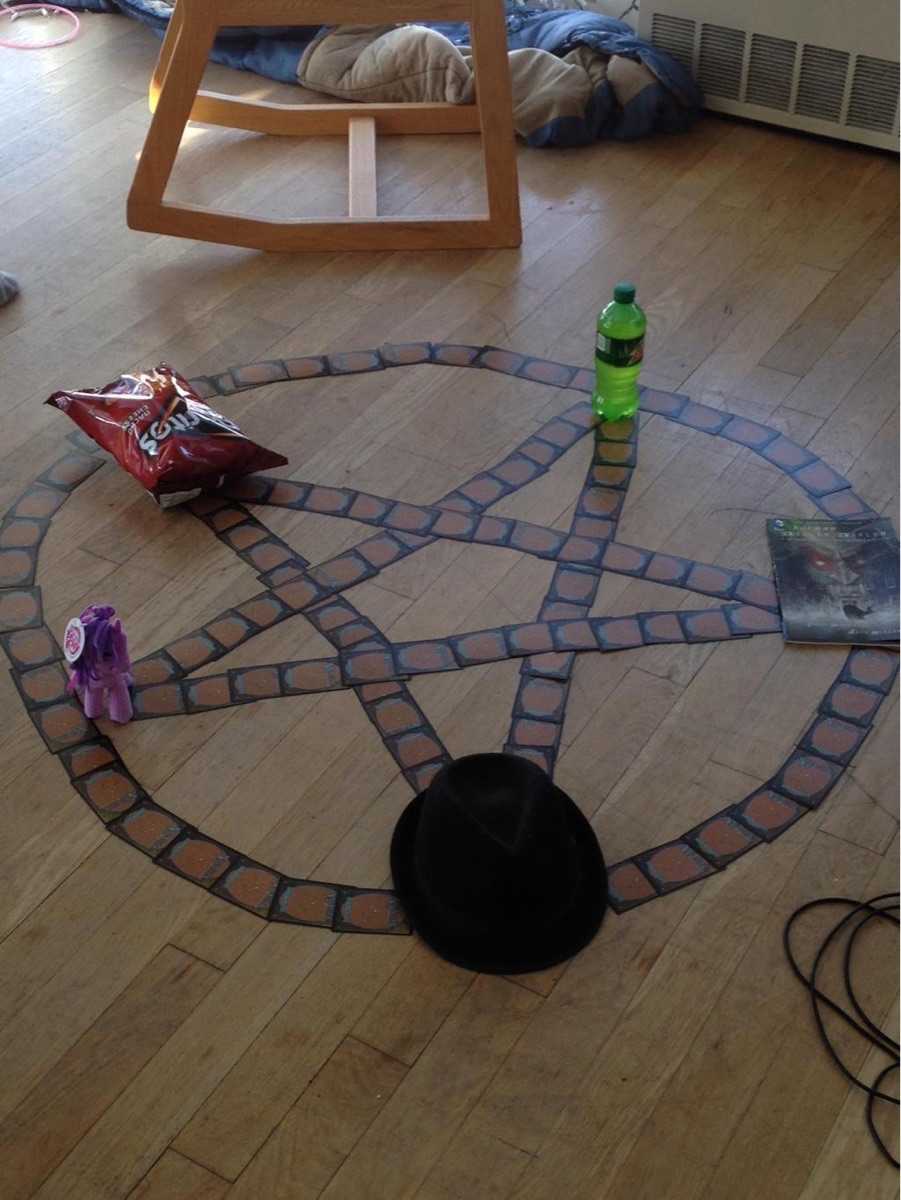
(377, 671)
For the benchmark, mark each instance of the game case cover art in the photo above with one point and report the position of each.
(838, 581)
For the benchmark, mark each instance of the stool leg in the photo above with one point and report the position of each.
(494, 97)
(362, 189)
(192, 42)
(162, 63)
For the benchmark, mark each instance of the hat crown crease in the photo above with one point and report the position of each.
(501, 817)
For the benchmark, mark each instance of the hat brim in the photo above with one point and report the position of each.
(494, 950)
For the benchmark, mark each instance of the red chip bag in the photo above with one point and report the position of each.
(157, 428)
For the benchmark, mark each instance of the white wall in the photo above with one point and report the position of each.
(624, 10)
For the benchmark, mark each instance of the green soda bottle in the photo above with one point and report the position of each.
(618, 354)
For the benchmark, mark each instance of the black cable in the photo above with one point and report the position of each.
(849, 987)
(867, 911)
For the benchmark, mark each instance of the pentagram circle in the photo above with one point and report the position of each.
(378, 670)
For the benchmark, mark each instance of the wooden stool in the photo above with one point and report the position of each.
(175, 99)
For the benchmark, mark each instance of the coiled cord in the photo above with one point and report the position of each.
(879, 908)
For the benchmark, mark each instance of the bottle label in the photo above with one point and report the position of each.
(620, 352)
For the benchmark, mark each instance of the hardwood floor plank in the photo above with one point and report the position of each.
(127, 1140)
(846, 1163)
(719, 1076)
(800, 1079)
(87, 1080)
(849, 357)
(523, 1103)
(475, 1164)
(811, 335)
(753, 336)
(46, 858)
(413, 1005)
(173, 1177)
(238, 1116)
(602, 1121)
(54, 934)
(75, 996)
(218, 933)
(860, 818)
(323, 1127)
(845, 435)
(397, 1151)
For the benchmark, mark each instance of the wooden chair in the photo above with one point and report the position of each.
(175, 99)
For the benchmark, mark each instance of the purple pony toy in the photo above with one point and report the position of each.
(96, 647)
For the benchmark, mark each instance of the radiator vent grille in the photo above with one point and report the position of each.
(822, 83)
(770, 71)
(874, 94)
(783, 80)
(676, 35)
(719, 68)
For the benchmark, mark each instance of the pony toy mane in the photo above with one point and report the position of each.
(105, 645)
(102, 672)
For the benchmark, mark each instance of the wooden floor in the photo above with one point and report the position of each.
(160, 1044)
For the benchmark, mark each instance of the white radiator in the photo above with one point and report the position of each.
(825, 66)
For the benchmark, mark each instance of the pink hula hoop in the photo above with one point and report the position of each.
(49, 8)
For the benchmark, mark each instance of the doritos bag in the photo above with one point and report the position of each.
(157, 428)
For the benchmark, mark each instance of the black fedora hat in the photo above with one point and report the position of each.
(497, 868)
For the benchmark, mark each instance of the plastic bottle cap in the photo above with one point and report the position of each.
(624, 293)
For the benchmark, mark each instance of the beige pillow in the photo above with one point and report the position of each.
(386, 64)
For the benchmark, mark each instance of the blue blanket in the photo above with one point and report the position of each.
(670, 104)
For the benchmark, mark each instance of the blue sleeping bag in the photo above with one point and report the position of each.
(668, 104)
